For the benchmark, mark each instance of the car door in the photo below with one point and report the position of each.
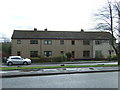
(17, 60)
(14, 60)
(21, 60)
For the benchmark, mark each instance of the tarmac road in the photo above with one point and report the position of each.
(86, 80)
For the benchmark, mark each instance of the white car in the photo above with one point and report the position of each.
(18, 60)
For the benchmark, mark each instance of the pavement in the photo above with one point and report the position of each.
(39, 72)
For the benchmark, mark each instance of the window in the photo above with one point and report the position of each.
(33, 41)
(98, 42)
(18, 53)
(61, 42)
(73, 54)
(18, 41)
(62, 52)
(110, 52)
(73, 42)
(86, 53)
(86, 42)
(110, 42)
(98, 54)
(15, 58)
(33, 53)
(47, 42)
(47, 53)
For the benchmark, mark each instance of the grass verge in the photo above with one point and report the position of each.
(52, 67)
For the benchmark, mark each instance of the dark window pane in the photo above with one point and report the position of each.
(33, 53)
(98, 42)
(47, 53)
(18, 41)
(62, 52)
(73, 42)
(98, 54)
(73, 54)
(33, 41)
(61, 42)
(86, 53)
(86, 42)
(18, 53)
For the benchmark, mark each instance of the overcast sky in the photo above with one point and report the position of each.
(57, 15)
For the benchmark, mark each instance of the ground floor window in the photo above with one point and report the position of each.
(98, 54)
(47, 53)
(61, 52)
(33, 53)
(86, 54)
(110, 52)
(73, 54)
(18, 53)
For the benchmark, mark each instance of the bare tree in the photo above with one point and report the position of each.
(108, 18)
(3, 38)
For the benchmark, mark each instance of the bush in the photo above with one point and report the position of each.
(112, 57)
(69, 55)
(40, 59)
(59, 59)
(49, 59)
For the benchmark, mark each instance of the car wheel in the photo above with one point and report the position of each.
(10, 63)
(25, 63)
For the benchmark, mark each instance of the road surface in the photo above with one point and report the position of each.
(86, 80)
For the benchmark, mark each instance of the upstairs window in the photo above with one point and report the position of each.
(73, 42)
(61, 42)
(98, 42)
(48, 42)
(86, 42)
(33, 41)
(18, 41)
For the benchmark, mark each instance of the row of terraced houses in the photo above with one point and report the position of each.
(82, 44)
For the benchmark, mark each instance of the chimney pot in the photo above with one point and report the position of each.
(35, 29)
(82, 30)
(45, 29)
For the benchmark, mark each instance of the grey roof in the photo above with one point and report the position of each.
(27, 34)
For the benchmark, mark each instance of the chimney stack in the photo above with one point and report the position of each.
(82, 30)
(35, 29)
(45, 29)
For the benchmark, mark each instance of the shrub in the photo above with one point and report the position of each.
(49, 59)
(112, 57)
(69, 55)
(40, 59)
